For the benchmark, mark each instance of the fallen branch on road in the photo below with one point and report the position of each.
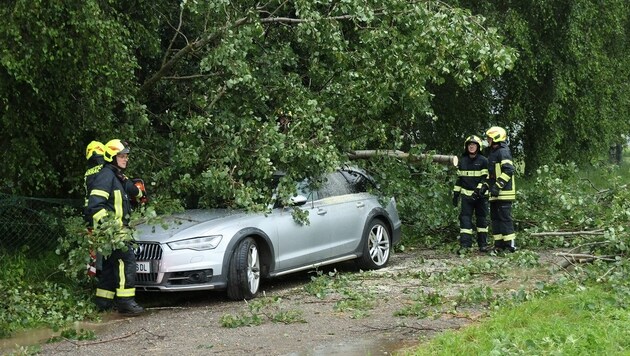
(569, 233)
(576, 258)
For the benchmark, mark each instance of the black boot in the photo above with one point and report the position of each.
(498, 246)
(482, 242)
(129, 306)
(509, 246)
(103, 304)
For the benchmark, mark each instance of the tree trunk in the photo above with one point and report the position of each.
(443, 159)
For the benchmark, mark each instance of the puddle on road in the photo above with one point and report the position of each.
(40, 336)
(358, 347)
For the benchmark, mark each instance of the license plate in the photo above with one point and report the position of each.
(143, 267)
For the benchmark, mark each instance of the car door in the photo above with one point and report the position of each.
(302, 244)
(350, 205)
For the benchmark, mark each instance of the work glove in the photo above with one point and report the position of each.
(501, 183)
(494, 190)
(483, 190)
(139, 183)
(455, 198)
(475, 195)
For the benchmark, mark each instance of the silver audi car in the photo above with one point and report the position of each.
(232, 251)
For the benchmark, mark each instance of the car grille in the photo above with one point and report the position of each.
(150, 251)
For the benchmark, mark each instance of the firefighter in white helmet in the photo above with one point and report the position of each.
(472, 172)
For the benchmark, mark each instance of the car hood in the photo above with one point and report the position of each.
(187, 224)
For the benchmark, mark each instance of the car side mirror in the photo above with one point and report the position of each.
(298, 200)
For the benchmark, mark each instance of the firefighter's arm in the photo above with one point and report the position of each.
(99, 196)
(484, 173)
(458, 182)
(507, 171)
(97, 205)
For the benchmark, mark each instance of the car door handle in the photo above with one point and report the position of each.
(321, 212)
(360, 204)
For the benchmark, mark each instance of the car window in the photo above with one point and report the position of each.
(304, 188)
(335, 184)
(357, 183)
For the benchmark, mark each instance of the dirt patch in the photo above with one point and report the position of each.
(420, 293)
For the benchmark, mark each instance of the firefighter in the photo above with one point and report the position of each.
(94, 155)
(502, 188)
(472, 172)
(110, 194)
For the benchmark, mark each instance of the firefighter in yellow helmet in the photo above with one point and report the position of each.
(502, 188)
(111, 194)
(472, 172)
(94, 155)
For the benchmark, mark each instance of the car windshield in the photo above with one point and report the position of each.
(337, 183)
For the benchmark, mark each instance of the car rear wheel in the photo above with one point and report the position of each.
(244, 273)
(376, 246)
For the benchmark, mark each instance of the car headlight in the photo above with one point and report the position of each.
(197, 243)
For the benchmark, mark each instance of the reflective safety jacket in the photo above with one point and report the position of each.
(110, 193)
(501, 171)
(95, 163)
(471, 174)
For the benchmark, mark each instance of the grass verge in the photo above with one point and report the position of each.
(588, 321)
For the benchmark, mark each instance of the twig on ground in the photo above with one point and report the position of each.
(79, 344)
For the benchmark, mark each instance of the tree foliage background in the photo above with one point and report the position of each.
(214, 97)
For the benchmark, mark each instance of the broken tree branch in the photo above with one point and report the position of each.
(568, 233)
(443, 159)
(576, 258)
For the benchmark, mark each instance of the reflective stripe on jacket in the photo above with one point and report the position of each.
(108, 195)
(471, 174)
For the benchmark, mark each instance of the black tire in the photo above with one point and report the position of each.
(376, 246)
(244, 273)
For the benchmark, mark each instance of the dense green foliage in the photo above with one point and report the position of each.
(567, 97)
(214, 97)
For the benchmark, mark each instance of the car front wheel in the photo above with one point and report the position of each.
(244, 272)
(376, 246)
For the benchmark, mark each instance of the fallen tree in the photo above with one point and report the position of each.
(443, 159)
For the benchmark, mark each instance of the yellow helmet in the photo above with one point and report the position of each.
(94, 147)
(497, 134)
(114, 147)
(475, 139)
